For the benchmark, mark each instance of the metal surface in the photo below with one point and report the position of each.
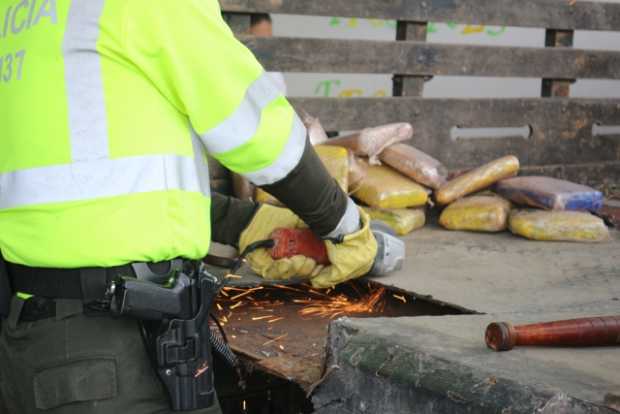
(282, 331)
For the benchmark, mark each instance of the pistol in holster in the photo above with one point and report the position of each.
(181, 343)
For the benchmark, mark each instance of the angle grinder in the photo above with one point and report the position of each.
(291, 242)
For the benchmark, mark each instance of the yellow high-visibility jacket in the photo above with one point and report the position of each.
(107, 108)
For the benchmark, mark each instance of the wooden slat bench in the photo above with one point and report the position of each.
(562, 141)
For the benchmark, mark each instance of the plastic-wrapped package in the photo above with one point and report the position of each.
(550, 193)
(477, 213)
(370, 142)
(415, 164)
(402, 220)
(385, 188)
(336, 160)
(478, 179)
(357, 172)
(558, 226)
(316, 133)
(242, 187)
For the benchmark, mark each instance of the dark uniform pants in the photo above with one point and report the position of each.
(77, 364)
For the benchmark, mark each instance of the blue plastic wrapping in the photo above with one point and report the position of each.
(550, 193)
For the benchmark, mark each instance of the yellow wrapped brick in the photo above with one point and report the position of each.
(477, 213)
(402, 220)
(264, 197)
(336, 161)
(478, 179)
(357, 172)
(385, 188)
(558, 226)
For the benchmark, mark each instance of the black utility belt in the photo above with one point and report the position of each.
(177, 299)
(86, 284)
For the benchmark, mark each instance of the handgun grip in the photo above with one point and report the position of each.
(149, 301)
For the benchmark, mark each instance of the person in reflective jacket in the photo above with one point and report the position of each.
(109, 108)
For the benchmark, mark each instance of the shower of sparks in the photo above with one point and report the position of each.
(342, 304)
(312, 303)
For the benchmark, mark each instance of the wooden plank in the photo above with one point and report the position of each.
(404, 85)
(561, 128)
(421, 58)
(557, 38)
(551, 14)
(238, 22)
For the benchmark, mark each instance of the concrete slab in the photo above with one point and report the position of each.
(492, 273)
(441, 365)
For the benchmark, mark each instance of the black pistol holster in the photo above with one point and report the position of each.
(181, 342)
(5, 290)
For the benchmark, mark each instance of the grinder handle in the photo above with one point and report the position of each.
(303, 242)
(291, 242)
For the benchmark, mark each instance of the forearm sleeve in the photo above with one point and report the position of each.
(312, 193)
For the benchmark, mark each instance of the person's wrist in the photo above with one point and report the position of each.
(349, 223)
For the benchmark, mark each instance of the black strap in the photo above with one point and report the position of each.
(88, 284)
(5, 289)
(94, 282)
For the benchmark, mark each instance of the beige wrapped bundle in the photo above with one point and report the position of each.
(415, 164)
(385, 188)
(370, 142)
(316, 133)
(478, 179)
(558, 226)
(336, 160)
(402, 220)
(477, 213)
(264, 197)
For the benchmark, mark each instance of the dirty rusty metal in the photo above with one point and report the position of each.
(283, 329)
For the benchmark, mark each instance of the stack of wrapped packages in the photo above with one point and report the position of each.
(537, 208)
(396, 182)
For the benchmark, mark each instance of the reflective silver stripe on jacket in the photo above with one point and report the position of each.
(103, 178)
(84, 82)
(242, 125)
(286, 161)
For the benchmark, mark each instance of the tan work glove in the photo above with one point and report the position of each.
(265, 221)
(351, 258)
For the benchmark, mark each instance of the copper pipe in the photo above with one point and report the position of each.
(597, 331)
